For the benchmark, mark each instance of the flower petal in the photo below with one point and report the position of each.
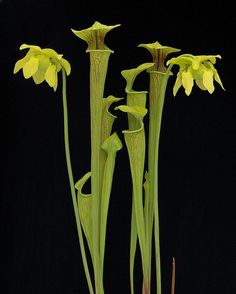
(66, 65)
(200, 84)
(178, 83)
(208, 81)
(56, 82)
(217, 79)
(51, 76)
(187, 81)
(25, 46)
(52, 53)
(20, 63)
(39, 77)
(184, 59)
(30, 67)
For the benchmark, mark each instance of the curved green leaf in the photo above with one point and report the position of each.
(130, 74)
(111, 145)
(84, 206)
(135, 143)
(107, 117)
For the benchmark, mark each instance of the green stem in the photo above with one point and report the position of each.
(158, 83)
(71, 181)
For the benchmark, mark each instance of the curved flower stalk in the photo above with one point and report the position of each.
(198, 68)
(99, 58)
(135, 136)
(159, 76)
(44, 64)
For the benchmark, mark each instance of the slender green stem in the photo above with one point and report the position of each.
(72, 186)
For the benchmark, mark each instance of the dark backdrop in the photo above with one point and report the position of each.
(40, 252)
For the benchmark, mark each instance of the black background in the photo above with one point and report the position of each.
(40, 252)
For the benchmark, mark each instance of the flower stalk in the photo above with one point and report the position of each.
(72, 185)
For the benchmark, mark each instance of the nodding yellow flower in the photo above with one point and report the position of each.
(198, 68)
(42, 64)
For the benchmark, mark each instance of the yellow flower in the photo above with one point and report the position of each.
(198, 68)
(42, 64)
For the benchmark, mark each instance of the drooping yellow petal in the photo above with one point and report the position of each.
(208, 81)
(39, 77)
(20, 63)
(66, 65)
(30, 67)
(211, 58)
(56, 82)
(178, 83)
(51, 76)
(25, 46)
(200, 84)
(57, 64)
(52, 53)
(217, 79)
(184, 59)
(187, 81)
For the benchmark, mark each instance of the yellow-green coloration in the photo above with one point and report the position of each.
(159, 76)
(95, 35)
(102, 146)
(42, 65)
(135, 143)
(131, 74)
(136, 146)
(159, 54)
(111, 145)
(198, 68)
(91, 210)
